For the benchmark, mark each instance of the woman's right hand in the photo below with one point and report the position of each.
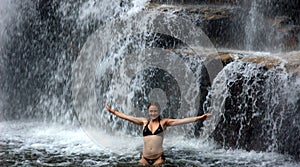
(109, 109)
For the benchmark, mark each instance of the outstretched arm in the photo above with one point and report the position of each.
(173, 122)
(139, 121)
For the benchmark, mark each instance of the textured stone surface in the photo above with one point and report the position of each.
(239, 24)
(258, 113)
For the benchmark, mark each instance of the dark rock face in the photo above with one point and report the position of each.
(260, 112)
(245, 25)
(241, 126)
(288, 135)
(223, 25)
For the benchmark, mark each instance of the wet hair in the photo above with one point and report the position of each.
(154, 104)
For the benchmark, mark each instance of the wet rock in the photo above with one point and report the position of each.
(289, 61)
(219, 23)
(268, 62)
(293, 63)
(226, 58)
(289, 134)
(285, 33)
(261, 113)
(240, 126)
(264, 25)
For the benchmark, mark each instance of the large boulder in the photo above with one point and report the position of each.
(261, 110)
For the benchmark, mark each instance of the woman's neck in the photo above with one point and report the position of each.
(156, 119)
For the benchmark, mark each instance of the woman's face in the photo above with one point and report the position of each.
(153, 112)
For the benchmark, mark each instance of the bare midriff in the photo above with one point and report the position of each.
(153, 146)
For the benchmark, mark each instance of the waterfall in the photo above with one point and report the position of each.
(144, 52)
(60, 61)
(39, 42)
(255, 108)
(272, 26)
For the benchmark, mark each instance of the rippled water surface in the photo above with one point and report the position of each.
(39, 144)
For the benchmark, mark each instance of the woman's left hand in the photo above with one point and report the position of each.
(205, 116)
(109, 109)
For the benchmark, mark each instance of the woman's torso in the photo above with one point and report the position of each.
(153, 139)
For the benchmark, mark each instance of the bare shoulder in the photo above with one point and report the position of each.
(164, 119)
(165, 122)
(144, 120)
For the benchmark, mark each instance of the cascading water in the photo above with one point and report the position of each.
(61, 61)
(256, 107)
(131, 62)
(272, 26)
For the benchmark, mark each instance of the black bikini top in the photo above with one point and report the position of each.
(147, 131)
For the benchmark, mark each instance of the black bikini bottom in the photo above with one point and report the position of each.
(152, 161)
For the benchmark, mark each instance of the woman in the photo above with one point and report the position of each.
(153, 131)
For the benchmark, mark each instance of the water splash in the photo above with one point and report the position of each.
(141, 53)
(39, 83)
(255, 107)
(56, 145)
(272, 26)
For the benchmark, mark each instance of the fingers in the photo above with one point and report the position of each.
(205, 116)
(208, 115)
(108, 107)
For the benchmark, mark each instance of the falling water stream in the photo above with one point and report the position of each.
(60, 62)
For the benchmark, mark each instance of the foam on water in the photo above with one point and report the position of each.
(35, 143)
